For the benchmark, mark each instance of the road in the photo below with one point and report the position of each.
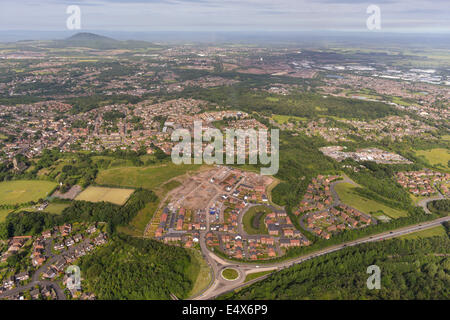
(336, 202)
(424, 202)
(59, 292)
(36, 277)
(220, 286)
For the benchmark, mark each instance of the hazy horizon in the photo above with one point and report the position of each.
(410, 16)
(252, 37)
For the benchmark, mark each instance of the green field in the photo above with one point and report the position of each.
(282, 119)
(3, 214)
(198, 272)
(22, 191)
(230, 274)
(400, 101)
(56, 208)
(253, 220)
(356, 201)
(438, 231)
(137, 225)
(255, 275)
(438, 157)
(98, 194)
(142, 177)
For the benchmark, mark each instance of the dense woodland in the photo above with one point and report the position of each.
(304, 104)
(131, 268)
(440, 206)
(410, 269)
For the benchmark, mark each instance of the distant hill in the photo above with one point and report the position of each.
(86, 36)
(95, 41)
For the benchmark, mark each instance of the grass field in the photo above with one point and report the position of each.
(255, 275)
(199, 273)
(438, 231)
(436, 157)
(282, 119)
(137, 225)
(143, 177)
(230, 274)
(21, 191)
(56, 208)
(354, 200)
(3, 214)
(253, 220)
(400, 101)
(98, 194)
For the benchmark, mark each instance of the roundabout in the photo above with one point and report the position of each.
(230, 274)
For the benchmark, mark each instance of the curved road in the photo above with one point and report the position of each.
(221, 286)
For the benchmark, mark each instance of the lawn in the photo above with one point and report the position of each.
(230, 274)
(253, 220)
(143, 177)
(437, 231)
(438, 157)
(22, 191)
(351, 198)
(98, 194)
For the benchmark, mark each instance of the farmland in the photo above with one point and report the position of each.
(23, 191)
(351, 198)
(99, 194)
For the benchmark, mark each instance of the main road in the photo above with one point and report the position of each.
(219, 285)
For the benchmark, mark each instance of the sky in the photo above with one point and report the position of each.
(227, 15)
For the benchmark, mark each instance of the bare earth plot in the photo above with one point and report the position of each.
(70, 195)
(98, 194)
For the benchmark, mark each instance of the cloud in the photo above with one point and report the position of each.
(244, 15)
